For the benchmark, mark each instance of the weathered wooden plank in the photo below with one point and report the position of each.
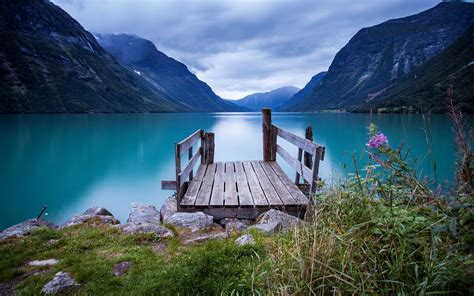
(193, 189)
(270, 193)
(204, 194)
(304, 144)
(217, 195)
(207, 143)
(245, 197)
(190, 156)
(316, 158)
(267, 136)
(277, 184)
(297, 194)
(254, 185)
(185, 144)
(296, 165)
(300, 157)
(183, 175)
(230, 187)
(168, 185)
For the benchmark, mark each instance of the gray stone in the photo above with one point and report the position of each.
(169, 208)
(225, 221)
(47, 262)
(145, 219)
(24, 228)
(271, 227)
(155, 229)
(193, 221)
(206, 237)
(121, 268)
(246, 239)
(92, 220)
(286, 221)
(61, 283)
(235, 227)
(98, 211)
(141, 213)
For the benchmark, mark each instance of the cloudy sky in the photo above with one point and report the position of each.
(242, 47)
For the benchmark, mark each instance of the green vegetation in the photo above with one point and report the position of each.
(382, 231)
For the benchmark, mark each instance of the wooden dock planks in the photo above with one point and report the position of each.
(242, 184)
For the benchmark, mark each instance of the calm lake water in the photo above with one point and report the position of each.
(72, 162)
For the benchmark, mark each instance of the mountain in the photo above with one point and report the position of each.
(50, 64)
(165, 73)
(307, 89)
(272, 99)
(375, 57)
(426, 87)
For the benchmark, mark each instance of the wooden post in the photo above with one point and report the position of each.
(204, 148)
(307, 157)
(267, 134)
(211, 147)
(190, 155)
(178, 170)
(315, 178)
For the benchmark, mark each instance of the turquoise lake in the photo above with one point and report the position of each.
(72, 162)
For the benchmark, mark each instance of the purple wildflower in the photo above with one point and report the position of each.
(377, 141)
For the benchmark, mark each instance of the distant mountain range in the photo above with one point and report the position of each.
(50, 64)
(272, 99)
(167, 74)
(377, 67)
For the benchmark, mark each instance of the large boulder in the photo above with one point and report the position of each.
(92, 216)
(145, 219)
(271, 227)
(273, 216)
(61, 283)
(24, 228)
(168, 208)
(235, 227)
(193, 221)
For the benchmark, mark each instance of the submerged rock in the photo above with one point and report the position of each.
(169, 208)
(61, 283)
(24, 228)
(145, 219)
(273, 216)
(246, 239)
(47, 262)
(92, 216)
(193, 221)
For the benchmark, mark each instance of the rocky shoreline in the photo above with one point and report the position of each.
(190, 228)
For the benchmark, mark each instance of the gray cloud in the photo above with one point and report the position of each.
(241, 47)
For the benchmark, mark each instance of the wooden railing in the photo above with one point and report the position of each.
(314, 153)
(185, 174)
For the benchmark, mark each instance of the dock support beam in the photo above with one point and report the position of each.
(269, 136)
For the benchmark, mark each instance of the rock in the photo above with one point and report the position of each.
(225, 221)
(159, 247)
(98, 211)
(169, 208)
(61, 282)
(141, 213)
(193, 221)
(271, 227)
(48, 262)
(24, 228)
(286, 221)
(246, 239)
(90, 220)
(145, 219)
(121, 268)
(156, 229)
(206, 237)
(235, 227)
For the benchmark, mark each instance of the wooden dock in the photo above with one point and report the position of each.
(245, 189)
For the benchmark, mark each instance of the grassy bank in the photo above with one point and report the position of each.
(382, 231)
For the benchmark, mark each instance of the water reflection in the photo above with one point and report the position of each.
(71, 162)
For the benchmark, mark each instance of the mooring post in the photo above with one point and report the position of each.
(308, 162)
(267, 134)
